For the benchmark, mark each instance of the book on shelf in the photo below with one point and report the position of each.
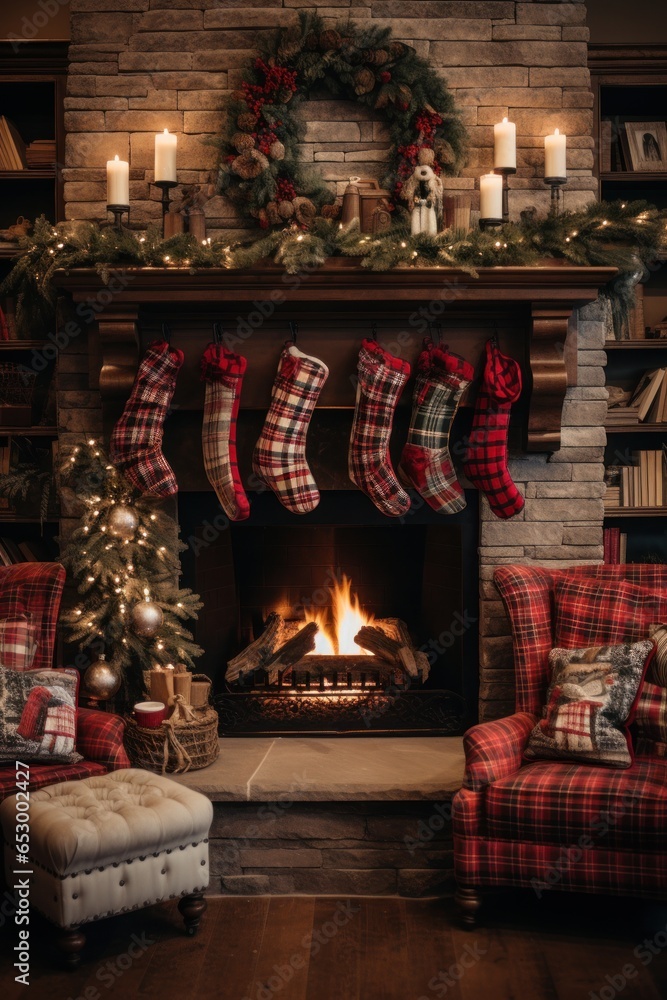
(12, 147)
(606, 132)
(642, 484)
(646, 403)
(615, 546)
(41, 154)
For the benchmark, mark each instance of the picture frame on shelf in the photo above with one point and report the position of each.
(647, 144)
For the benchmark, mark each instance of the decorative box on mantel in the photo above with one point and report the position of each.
(535, 304)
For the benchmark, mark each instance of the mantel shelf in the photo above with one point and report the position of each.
(541, 300)
(343, 280)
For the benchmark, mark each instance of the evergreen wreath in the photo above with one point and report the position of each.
(260, 170)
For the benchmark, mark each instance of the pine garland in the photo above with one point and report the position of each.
(260, 170)
(112, 575)
(629, 236)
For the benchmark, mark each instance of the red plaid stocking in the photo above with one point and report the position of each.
(223, 373)
(486, 461)
(381, 379)
(426, 463)
(136, 440)
(280, 454)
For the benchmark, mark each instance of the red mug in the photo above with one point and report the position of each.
(150, 714)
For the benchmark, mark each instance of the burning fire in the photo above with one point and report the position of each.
(348, 618)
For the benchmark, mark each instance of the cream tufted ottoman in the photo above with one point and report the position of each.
(109, 844)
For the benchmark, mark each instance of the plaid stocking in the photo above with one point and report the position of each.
(223, 373)
(136, 440)
(426, 463)
(381, 379)
(280, 454)
(486, 461)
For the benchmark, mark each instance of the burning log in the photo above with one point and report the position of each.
(399, 651)
(292, 651)
(258, 652)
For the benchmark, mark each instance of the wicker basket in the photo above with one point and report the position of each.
(174, 748)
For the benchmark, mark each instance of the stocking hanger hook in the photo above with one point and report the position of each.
(374, 332)
(218, 332)
(166, 332)
(294, 330)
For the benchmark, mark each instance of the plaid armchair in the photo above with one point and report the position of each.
(36, 589)
(557, 824)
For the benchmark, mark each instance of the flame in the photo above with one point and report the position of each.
(348, 618)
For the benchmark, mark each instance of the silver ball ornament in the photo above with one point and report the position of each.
(101, 681)
(147, 618)
(122, 522)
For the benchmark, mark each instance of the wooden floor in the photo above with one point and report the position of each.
(306, 948)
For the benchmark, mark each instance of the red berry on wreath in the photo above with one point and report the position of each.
(385, 76)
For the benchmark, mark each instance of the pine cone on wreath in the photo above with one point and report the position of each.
(404, 94)
(277, 150)
(247, 121)
(397, 50)
(330, 211)
(243, 142)
(382, 98)
(364, 81)
(304, 210)
(330, 39)
(285, 95)
(272, 213)
(285, 209)
(250, 165)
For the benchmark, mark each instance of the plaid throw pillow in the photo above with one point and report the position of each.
(38, 715)
(18, 643)
(651, 719)
(589, 611)
(589, 704)
(658, 671)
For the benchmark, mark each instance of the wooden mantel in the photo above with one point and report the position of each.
(546, 295)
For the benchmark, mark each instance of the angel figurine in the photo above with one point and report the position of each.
(423, 191)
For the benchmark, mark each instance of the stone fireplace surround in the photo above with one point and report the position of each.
(138, 66)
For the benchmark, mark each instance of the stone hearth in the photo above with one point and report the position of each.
(332, 816)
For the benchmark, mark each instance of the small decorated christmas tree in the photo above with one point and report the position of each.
(124, 560)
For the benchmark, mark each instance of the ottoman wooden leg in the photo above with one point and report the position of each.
(192, 909)
(70, 944)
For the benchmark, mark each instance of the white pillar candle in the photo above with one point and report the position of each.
(118, 182)
(491, 196)
(555, 155)
(165, 156)
(504, 145)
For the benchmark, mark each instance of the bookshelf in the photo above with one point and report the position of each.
(630, 85)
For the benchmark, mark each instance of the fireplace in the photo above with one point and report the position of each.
(416, 585)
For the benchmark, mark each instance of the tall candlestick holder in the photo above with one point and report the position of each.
(505, 173)
(166, 187)
(556, 184)
(118, 212)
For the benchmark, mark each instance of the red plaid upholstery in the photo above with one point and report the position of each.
(651, 719)
(47, 774)
(618, 610)
(495, 749)
(279, 459)
(381, 380)
(553, 802)
(37, 588)
(544, 824)
(486, 459)
(18, 643)
(99, 737)
(136, 441)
